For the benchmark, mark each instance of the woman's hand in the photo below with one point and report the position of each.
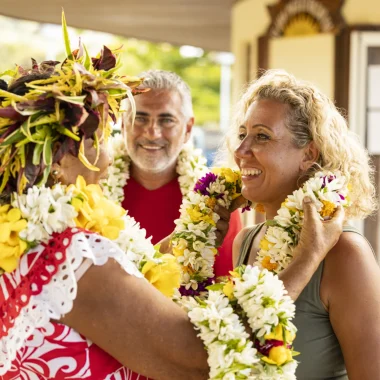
(223, 223)
(318, 237)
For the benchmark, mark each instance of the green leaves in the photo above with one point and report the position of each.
(66, 38)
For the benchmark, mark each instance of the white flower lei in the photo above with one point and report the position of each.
(191, 165)
(49, 210)
(231, 354)
(194, 235)
(327, 190)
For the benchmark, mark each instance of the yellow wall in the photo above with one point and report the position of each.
(250, 19)
(317, 65)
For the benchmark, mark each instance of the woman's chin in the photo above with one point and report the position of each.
(253, 196)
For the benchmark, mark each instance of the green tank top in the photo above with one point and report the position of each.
(321, 356)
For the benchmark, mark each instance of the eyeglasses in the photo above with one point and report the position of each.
(162, 121)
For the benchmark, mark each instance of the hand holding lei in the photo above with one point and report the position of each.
(327, 190)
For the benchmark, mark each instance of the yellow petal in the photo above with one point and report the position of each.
(19, 225)
(4, 208)
(14, 215)
(148, 266)
(23, 246)
(279, 354)
(80, 183)
(265, 244)
(5, 232)
(110, 232)
(8, 264)
(177, 251)
(267, 264)
(228, 290)
(13, 239)
(76, 203)
(165, 276)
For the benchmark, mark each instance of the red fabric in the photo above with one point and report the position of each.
(19, 289)
(224, 261)
(156, 211)
(58, 352)
(55, 351)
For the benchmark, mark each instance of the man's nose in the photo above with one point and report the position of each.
(153, 130)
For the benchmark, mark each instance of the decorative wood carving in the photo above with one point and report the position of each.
(302, 17)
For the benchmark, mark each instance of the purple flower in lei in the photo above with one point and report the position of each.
(201, 288)
(327, 179)
(202, 185)
(246, 208)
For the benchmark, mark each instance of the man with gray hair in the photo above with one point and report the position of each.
(161, 167)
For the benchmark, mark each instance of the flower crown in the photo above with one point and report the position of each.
(53, 103)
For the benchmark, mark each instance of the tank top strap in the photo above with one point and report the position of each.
(349, 228)
(246, 246)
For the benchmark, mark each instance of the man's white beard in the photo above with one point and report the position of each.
(155, 166)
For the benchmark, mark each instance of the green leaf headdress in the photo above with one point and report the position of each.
(53, 102)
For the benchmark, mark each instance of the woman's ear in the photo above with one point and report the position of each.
(56, 172)
(311, 156)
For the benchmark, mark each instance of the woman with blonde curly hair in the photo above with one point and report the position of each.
(288, 130)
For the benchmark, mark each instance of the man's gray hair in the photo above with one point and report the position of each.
(167, 80)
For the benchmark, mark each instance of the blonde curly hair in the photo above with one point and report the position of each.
(312, 116)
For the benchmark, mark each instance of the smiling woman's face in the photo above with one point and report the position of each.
(269, 161)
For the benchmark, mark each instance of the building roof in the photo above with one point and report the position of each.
(202, 23)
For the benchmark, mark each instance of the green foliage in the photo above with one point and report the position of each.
(202, 74)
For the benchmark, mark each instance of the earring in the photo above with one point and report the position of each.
(54, 174)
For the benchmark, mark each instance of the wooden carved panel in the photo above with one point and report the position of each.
(305, 17)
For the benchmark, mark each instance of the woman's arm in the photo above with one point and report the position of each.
(350, 289)
(137, 325)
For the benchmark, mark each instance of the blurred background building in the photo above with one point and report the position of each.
(217, 46)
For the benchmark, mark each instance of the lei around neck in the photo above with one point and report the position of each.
(191, 165)
(255, 293)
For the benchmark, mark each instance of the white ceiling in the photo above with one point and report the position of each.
(203, 23)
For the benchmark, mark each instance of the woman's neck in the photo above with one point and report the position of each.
(271, 209)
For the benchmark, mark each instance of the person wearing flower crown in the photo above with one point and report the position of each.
(290, 134)
(159, 166)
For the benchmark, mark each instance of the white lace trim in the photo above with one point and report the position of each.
(56, 298)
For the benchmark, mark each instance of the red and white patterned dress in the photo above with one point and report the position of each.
(42, 289)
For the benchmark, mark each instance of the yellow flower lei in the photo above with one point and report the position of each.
(89, 209)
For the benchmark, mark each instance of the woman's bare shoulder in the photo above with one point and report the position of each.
(351, 259)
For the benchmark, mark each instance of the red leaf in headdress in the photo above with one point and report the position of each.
(106, 61)
(91, 124)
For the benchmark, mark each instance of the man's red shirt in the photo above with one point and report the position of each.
(156, 211)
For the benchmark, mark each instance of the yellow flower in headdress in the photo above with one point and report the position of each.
(11, 246)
